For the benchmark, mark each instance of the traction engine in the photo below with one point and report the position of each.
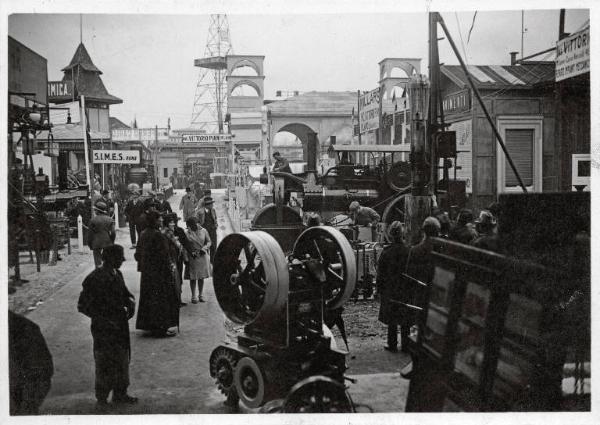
(285, 356)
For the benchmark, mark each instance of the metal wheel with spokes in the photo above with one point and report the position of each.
(334, 252)
(318, 394)
(395, 211)
(250, 278)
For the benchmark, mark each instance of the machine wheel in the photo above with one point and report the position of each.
(318, 394)
(222, 367)
(332, 248)
(251, 277)
(398, 176)
(395, 211)
(249, 382)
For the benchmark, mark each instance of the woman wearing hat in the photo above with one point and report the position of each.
(198, 265)
(207, 218)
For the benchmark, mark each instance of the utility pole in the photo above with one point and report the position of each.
(156, 157)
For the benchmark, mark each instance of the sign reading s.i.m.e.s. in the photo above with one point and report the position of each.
(115, 157)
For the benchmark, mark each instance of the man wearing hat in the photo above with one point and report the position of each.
(109, 202)
(363, 216)
(207, 218)
(188, 203)
(101, 233)
(281, 164)
(486, 228)
(162, 205)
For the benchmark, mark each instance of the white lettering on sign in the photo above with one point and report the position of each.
(573, 55)
(368, 105)
(60, 88)
(116, 157)
(206, 137)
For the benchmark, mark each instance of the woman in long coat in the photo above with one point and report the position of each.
(159, 296)
(198, 265)
(392, 263)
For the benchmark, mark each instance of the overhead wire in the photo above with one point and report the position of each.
(462, 42)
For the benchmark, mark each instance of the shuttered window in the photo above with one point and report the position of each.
(519, 143)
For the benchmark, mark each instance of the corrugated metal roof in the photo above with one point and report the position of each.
(315, 103)
(496, 76)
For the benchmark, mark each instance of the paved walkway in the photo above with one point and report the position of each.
(168, 375)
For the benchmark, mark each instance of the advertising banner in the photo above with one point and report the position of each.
(209, 138)
(115, 157)
(368, 106)
(573, 55)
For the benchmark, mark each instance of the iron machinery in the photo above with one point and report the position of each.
(284, 352)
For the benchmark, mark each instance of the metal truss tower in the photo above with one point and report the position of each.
(210, 99)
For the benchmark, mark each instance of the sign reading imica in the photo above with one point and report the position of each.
(573, 55)
(116, 157)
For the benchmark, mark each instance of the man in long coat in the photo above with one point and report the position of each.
(108, 302)
(392, 263)
(101, 232)
(158, 308)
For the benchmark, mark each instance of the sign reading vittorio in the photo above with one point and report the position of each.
(209, 138)
(573, 55)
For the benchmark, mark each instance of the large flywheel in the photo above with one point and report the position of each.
(251, 278)
(332, 249)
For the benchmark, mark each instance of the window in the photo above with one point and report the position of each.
(522, 136)
(581, 171)
(165, 172)
(519, 143)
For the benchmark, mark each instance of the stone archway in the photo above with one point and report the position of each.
(300, 130)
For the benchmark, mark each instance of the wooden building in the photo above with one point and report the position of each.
(521, 101)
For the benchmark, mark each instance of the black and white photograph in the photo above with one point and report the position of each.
(369, 213)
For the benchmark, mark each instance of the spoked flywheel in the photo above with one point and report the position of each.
(318, 394)
(394, 211)
(332, 249)
(250, 276)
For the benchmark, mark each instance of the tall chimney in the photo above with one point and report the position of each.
(513, 58)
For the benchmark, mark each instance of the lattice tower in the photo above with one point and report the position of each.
(210, 99)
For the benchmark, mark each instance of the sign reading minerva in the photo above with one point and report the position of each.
(116, 157)
(206, 138)
(573, 55)
(368, 105)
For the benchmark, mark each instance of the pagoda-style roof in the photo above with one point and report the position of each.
(82, 58)
(86, 78)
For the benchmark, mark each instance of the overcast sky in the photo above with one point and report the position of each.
(147, 60)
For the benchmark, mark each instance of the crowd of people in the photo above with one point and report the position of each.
(166, 255)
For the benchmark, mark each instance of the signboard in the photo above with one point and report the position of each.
(573, 55)
(464, 156)
(209, 138)
(115, 157)
(139, 134)
(58, 90)
(457, 102)
(368, 106)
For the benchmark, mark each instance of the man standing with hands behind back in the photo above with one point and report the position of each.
(207, 218)
(108, 302)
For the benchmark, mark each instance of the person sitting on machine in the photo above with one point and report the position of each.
(281, 165)
(363, 216)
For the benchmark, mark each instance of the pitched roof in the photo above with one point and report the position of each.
(315, 103)
(83, 59)
(116, 123)
(494, 77)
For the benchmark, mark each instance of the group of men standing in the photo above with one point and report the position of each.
(162, 249)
